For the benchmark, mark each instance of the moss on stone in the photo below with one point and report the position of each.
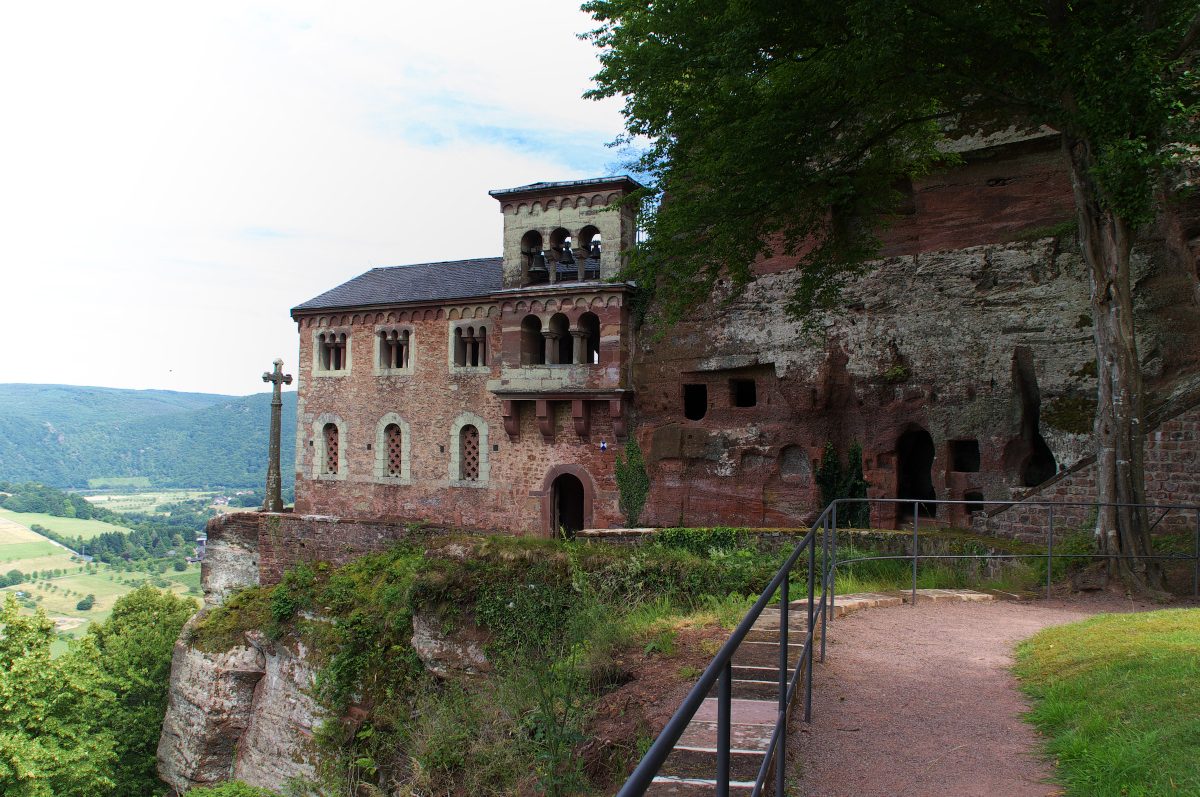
(1077, 415)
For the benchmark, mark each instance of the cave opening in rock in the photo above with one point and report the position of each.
(914, 472)
(1037, 463)
(695, 402)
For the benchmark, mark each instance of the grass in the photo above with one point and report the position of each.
(66, 526)
(1116, 700)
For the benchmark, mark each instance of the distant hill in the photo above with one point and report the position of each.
(63, 436)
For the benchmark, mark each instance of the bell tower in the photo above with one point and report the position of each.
(566, 232)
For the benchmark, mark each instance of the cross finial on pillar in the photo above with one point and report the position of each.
(273, 501)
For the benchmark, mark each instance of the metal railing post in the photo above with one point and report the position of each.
(825, 577)
(724, 720)
(1049, 547)
(1196, 559)
(781, 747)
(808, 664)
(916, 513)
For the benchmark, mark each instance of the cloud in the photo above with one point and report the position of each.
(176, 177)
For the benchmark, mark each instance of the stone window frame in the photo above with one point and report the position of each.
(317, 443)
(379, 370)
(485, 461)
(317, 369)
(489, 354)
(381, 453)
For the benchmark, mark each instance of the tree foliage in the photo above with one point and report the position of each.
(132, 650)
(836, 481)
(52, 737)
(783, 129)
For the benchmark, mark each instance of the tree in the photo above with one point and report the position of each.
(132, 649)
(784, 128)
(633, 485)
(50, 743)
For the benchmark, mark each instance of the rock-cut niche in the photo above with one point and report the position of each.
(1028, 453)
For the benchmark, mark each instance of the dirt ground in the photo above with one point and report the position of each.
(920, 701)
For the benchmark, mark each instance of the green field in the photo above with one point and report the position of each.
(145, 502)
(27, 551)
(118, 481)
(67, 526)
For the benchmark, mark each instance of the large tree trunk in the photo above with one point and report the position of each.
(1106, 241)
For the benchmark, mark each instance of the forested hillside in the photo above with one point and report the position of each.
(63, 436)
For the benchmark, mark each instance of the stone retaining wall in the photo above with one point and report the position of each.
(1172, 477)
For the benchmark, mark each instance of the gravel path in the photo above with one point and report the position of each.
(919, 701)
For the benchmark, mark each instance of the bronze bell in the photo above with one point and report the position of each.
(538, 267)
(568, 257)
(595, 251)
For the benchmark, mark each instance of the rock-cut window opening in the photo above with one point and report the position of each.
(695, 402)
(743, 393)
(964, 456)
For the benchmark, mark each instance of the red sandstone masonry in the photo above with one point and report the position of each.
(278, 542)
(1172, 477)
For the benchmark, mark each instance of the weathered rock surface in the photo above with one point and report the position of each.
(245, 714)
(276, 745)
(445, 652)
(208, 710)
(231, 556)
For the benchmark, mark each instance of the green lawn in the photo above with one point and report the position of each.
(1116, 697)
(119, 481)
(67, 526)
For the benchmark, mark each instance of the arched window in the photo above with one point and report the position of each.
(395, 450)
(470, 346)
(394, 348)
(392, 449)
(533, 345)
(533, 261)
(469, 453)
(558, 340)
(332, 351)
(566, 267)
(329, 463)
(589, 328)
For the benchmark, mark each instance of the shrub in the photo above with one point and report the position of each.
(633, 484)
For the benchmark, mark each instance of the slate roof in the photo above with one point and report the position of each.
(421, 282)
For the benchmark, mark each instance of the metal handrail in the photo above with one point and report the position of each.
(720, 671)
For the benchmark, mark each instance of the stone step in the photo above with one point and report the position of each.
(764, 654)
(741, 689)
(701, 762)
(687, 787)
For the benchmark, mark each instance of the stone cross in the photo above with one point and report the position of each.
(273, 502)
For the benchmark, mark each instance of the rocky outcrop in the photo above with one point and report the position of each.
(208, 710)
(244, 714)
(231, 556)
(444, 651)
(276, 745)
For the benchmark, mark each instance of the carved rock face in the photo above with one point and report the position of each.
(446, 652)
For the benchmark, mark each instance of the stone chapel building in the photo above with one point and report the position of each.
(496, 393)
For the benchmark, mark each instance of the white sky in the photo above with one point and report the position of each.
(175, 176)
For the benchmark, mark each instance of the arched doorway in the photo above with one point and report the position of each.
(914, 472)
(566, 501)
